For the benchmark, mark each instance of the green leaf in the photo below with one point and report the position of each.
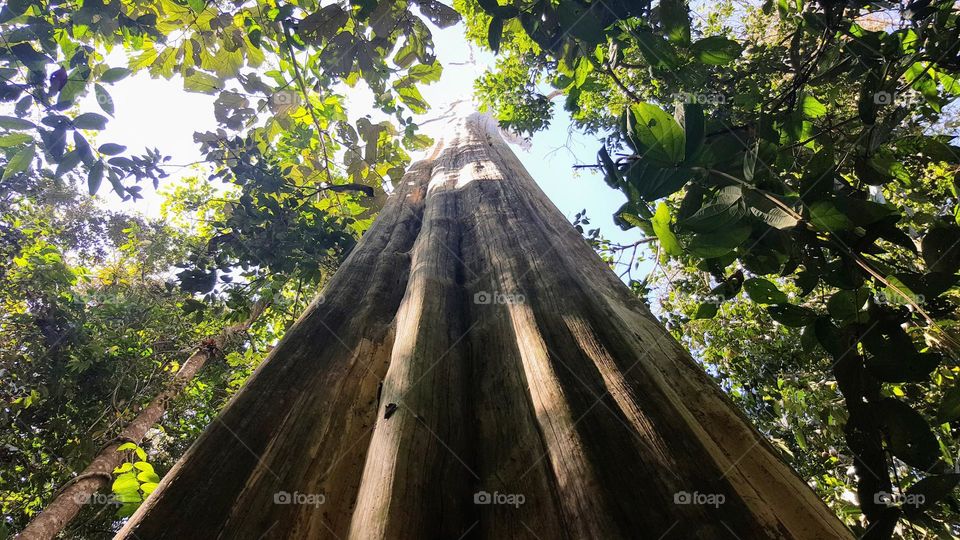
(792, 315)
(847, 305)
(14, 139)
(113, 75)
(104, 99)
(828, 218)
(95, 177)
(494, 33)
(111, 149)
(148, 476)
(941, 249)
(908, 435)
(812, 108)
(126, 482)
(949, 406)
(706, 310)
(658, 52)
(12, 122)
(583, 21)
(20, 161)
(716, 50)
(661, 227)
(718, 243)
(675, 19)
(203, 83)
(439, 14)
(899, 293)
(660, 136)
(694, 130)
(92, 121)
(67, 162)
(772, 214)
(322, 24)
(763, 291)
(927, 492)
(724, 211)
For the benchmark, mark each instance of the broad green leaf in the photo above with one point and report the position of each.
(67, 162)
(148, 476)
(203, 83)
(715, 244)
(113, 75)
(104, 99)
(583, 21)
(941, 249)
(20, 161)
(927, 492)
(716, 50)
(812, 108)
(848, 305)
(706, 310)
(675, 18)
(14, 139)
(661, 227)
(12, 122)
(111, 149)
(656, 51)
(494, 33)
(897, 292)
(92, 121)
(763, 291)
(126, 482)
(792, 315)
(660, 136)
(694, 129)
(95, 177)
(949, 406)
(828, 218)
(908, 435)
(725, 210)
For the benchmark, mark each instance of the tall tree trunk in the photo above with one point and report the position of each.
(474, 370)
(98, 475)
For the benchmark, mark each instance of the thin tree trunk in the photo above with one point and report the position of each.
(475, 370)
(98, 475)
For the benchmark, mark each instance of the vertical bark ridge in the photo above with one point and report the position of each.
(513, 364)
(543, 322)
(228, 463)
(423, 406)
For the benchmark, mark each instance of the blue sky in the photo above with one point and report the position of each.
(159, 113)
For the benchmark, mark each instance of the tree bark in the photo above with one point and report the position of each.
(99, 474)
(474, 370)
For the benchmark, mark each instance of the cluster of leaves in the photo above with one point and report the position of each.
(134, 480)
(91, 331)
(53, 54)
(799, 168)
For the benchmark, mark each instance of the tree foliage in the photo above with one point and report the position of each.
(794, 153)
